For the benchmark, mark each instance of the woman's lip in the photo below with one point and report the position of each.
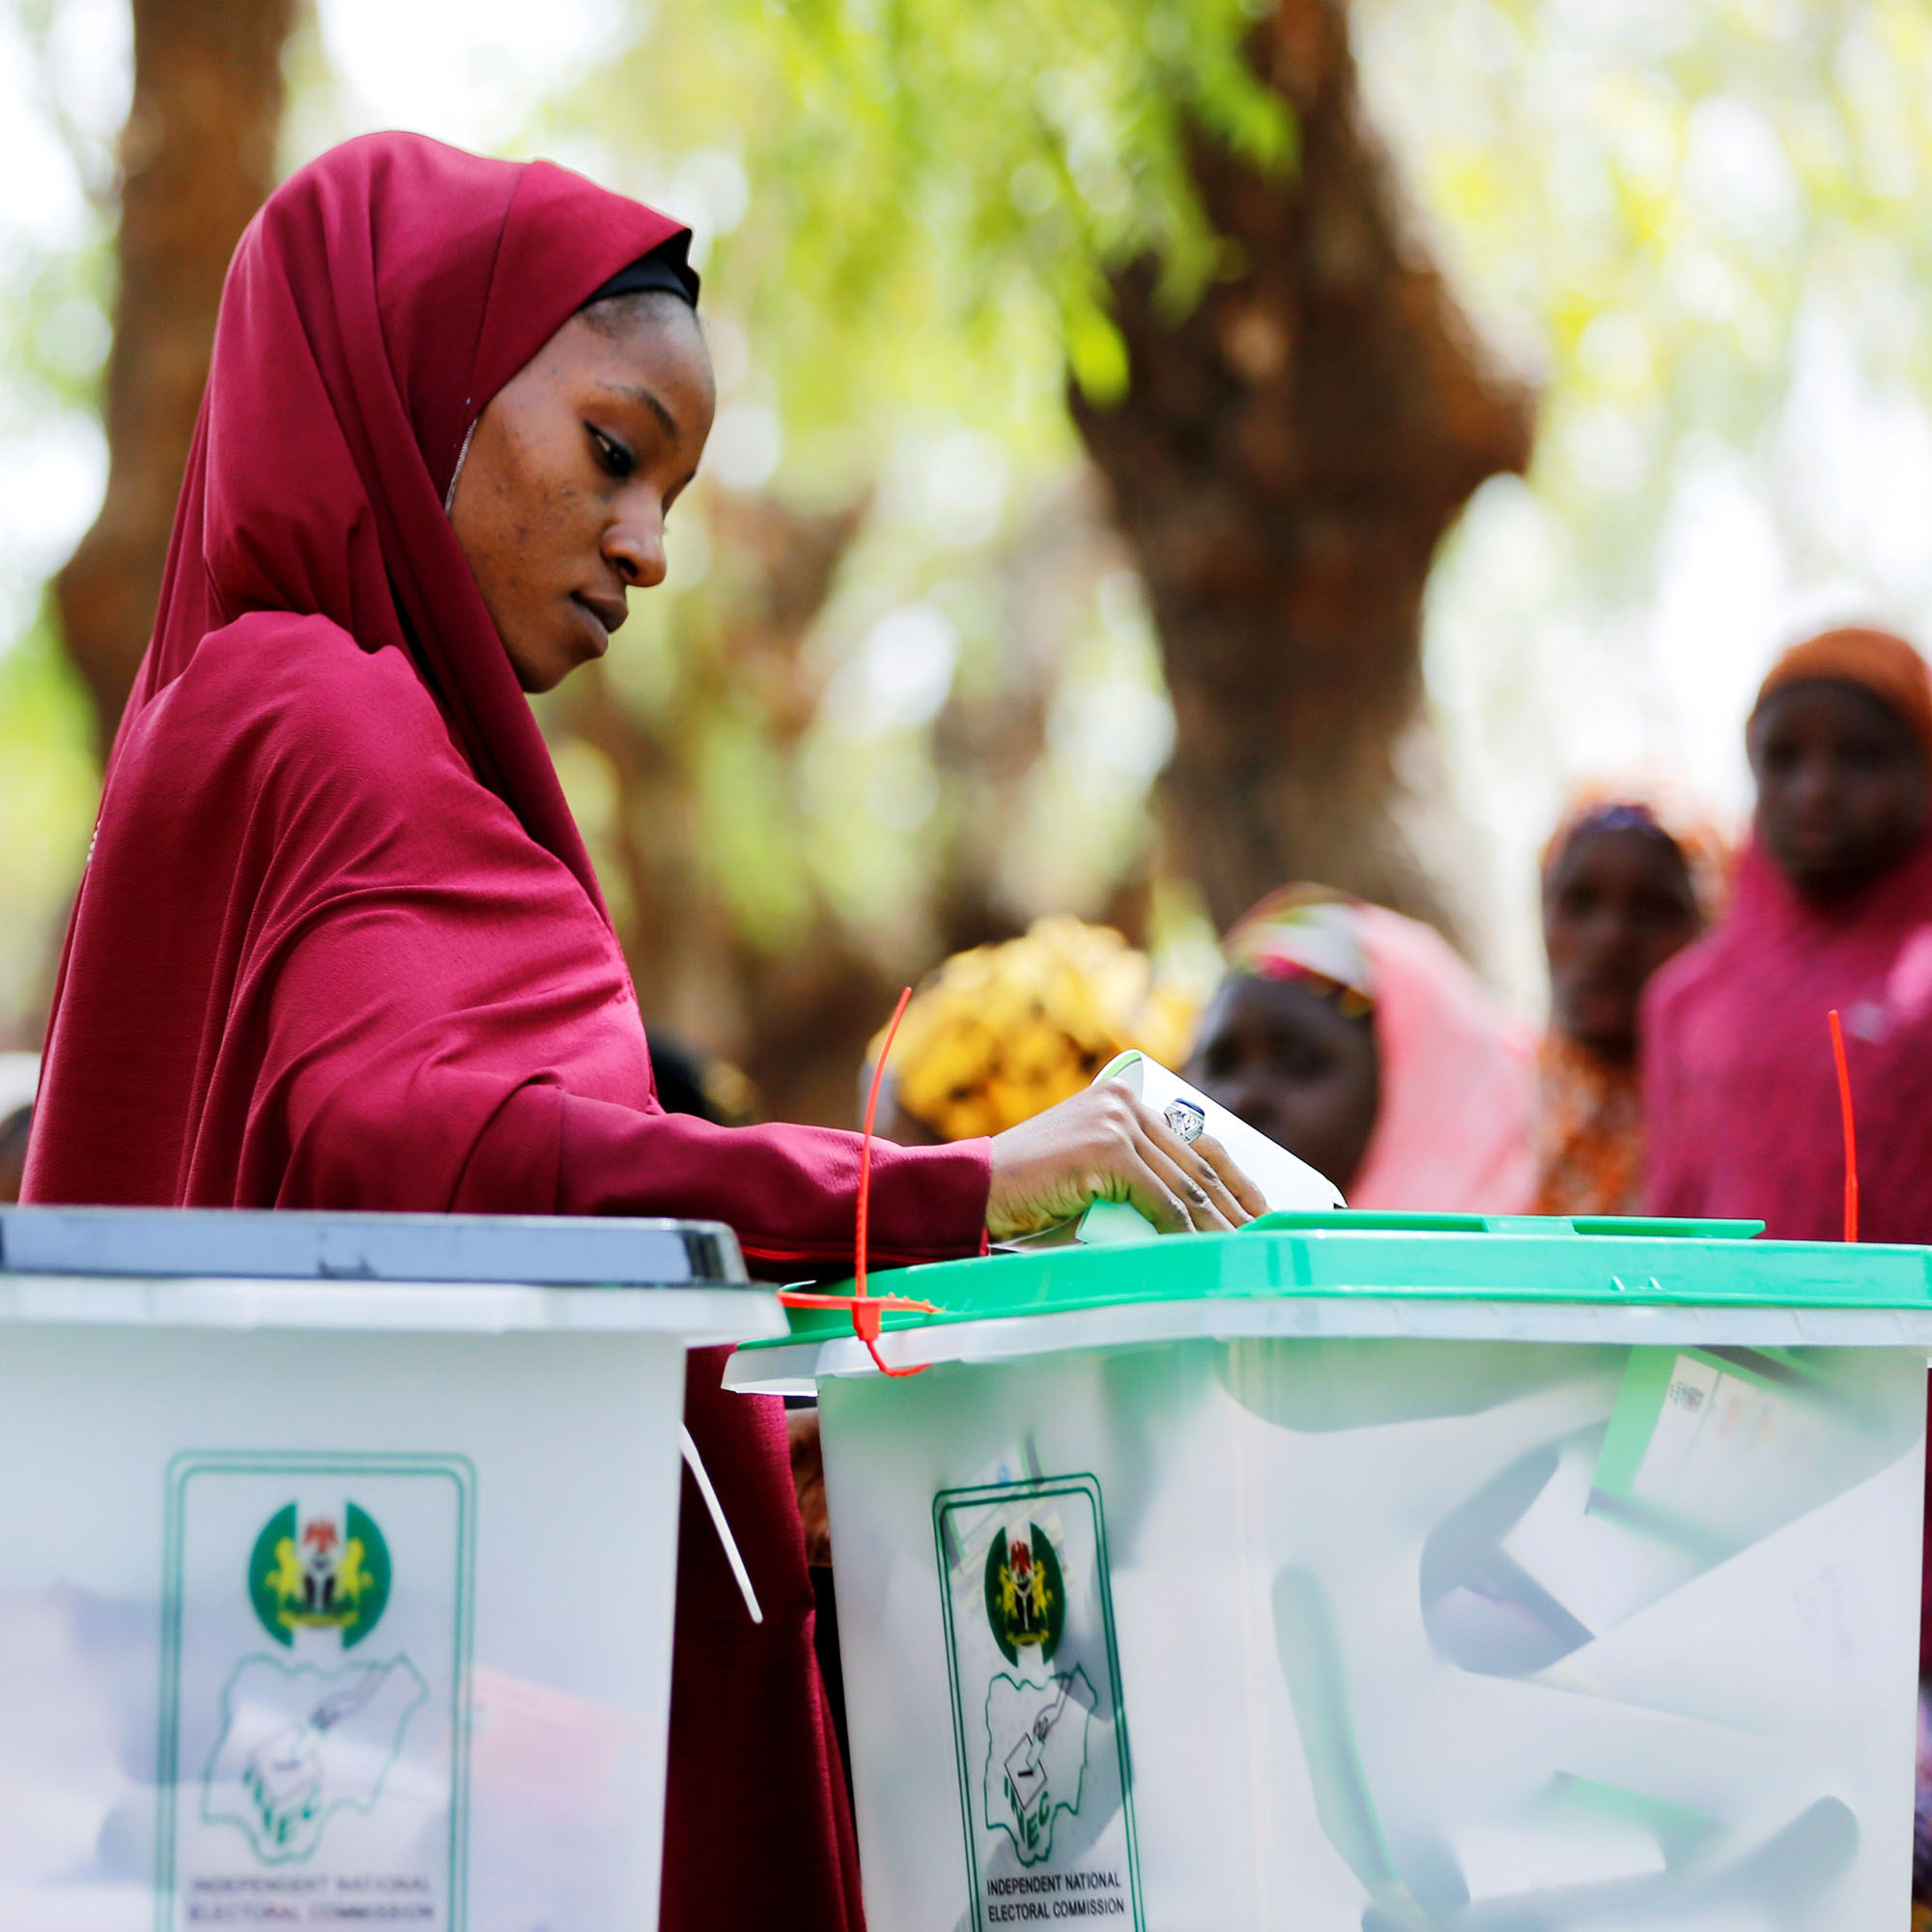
(1812, 851)
(599, 631)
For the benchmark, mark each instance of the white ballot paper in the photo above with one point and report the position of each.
(1287, 1184)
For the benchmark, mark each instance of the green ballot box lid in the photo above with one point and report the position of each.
(1451, 1276)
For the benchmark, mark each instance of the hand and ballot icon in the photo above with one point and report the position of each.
(1037, 1756)
(299, 1745)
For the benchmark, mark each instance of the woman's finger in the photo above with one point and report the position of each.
(1215, 1157)
(1196, 1163)
(1153, 1195)
(1204, 1214)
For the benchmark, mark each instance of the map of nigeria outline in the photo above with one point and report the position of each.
(300, 1744)
(1036, 1757)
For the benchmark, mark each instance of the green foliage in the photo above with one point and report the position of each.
(935, 186)
(47, 809)
(1702, 226)
(54, 277)
(1709, 181)
(1003, 145)
(906, 211)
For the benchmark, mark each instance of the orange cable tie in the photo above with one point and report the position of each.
(866, 1320)
(1851, 1126)
(798, 1297)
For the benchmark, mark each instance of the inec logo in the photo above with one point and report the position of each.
(301, 1740)
(1045, 1792)
(1026, 1595)
(328, 1575)
(1036, 1762)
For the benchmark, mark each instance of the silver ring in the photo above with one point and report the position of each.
(1186, 1120)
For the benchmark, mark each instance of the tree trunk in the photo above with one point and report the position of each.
(197, 159)
(1284, 464)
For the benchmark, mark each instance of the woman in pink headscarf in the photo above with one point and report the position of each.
(338, 944)
(1833, 908)
(1357, 1040)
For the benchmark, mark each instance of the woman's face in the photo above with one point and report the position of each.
(560, 502)
(1617, 904)
(1294, 1067)
(1841, 785)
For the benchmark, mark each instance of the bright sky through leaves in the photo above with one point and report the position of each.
(1698, 219)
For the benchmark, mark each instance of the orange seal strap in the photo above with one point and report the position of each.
(797, 1298)
(1851, 1126)
(866, 1309)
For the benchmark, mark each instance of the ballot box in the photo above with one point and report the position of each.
(1402, 1574)
(337, 1555)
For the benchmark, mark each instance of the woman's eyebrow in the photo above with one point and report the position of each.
(631, 392)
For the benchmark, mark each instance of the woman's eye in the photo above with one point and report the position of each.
(612, 453)
(1304, 1064)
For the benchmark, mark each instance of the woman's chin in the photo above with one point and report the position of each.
(544, 668)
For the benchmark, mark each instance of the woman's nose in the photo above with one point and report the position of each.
(1248, 1097)
(1815, 786)
(634, 545)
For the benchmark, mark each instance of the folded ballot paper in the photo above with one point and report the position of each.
(1286, 1183)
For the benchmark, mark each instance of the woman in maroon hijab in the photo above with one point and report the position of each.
(338, 944)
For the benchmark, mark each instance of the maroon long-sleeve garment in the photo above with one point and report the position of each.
(338, 944)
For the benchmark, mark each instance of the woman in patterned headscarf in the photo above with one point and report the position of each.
(1357, 1040)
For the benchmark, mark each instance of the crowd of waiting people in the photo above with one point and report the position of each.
(1687, 1066)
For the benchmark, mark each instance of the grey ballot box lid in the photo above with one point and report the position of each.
(538, 1251)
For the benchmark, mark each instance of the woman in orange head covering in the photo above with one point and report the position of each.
(1833, 908)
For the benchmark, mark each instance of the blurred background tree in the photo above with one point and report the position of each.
(1175, 220)
(197, 158)
(932, 633)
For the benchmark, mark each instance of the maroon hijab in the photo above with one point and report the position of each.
(338, 944)
(1740, 1086)
(380, 300)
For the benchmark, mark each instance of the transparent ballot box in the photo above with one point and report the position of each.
(1436, 1574)
(337, 1555)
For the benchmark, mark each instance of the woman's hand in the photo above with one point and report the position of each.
(1104, 1144)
